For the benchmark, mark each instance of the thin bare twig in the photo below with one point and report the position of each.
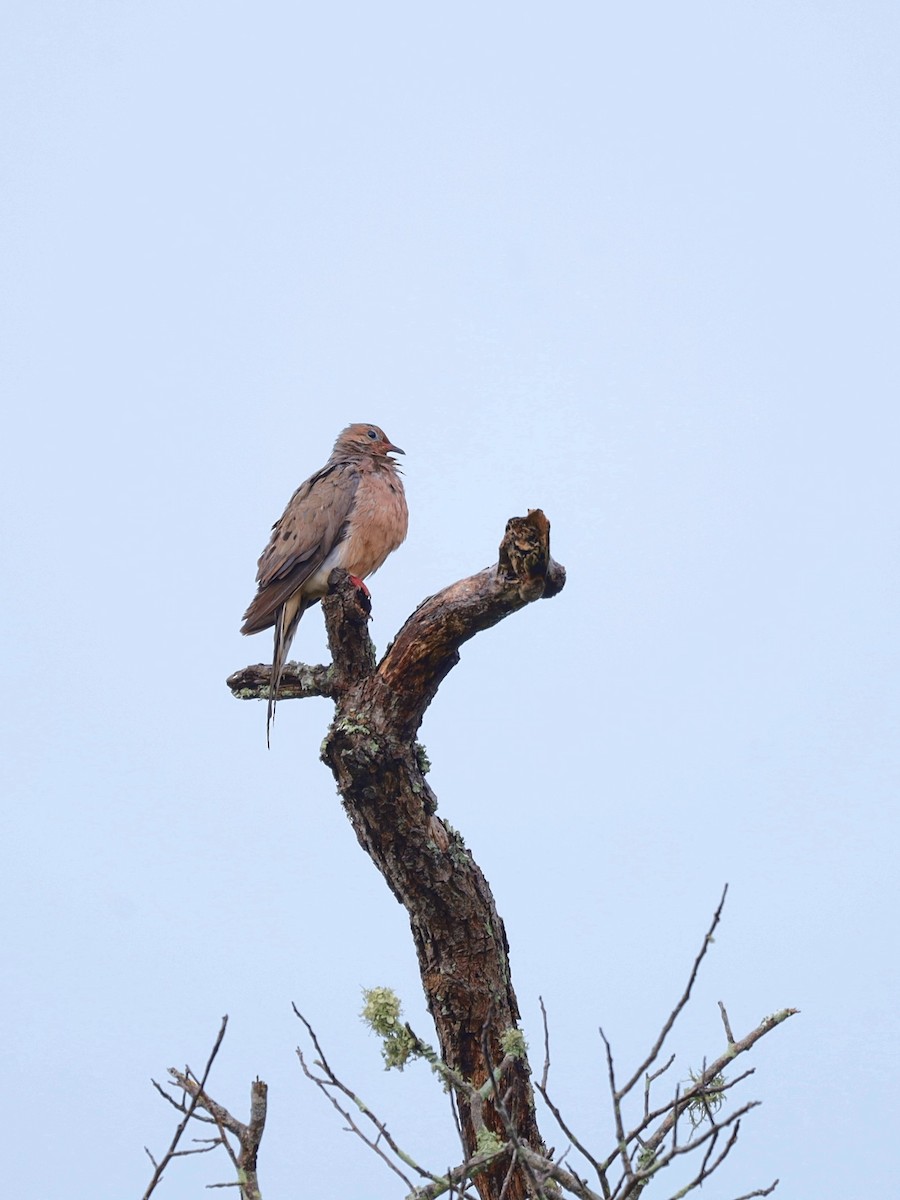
(332, 1081)
(679, 1007)
(189, 1112)
(622, 1150)
(557, 1115)
(759, 1192)
(709, 1167)
(510, 1171)
(579, 1146)
(650, 1079)
(546, 1072)
(566, 1178)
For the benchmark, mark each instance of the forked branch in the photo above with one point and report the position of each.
(380, 772)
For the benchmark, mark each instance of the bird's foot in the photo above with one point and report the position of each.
(365, 596)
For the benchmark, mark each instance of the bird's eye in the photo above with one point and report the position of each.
(372, 434)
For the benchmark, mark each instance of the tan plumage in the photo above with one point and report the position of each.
(351, 514)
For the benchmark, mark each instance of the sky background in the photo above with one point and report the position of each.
(634, 264)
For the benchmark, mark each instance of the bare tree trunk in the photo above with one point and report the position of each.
(371, 749)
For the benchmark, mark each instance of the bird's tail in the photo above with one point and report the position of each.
(286, 621)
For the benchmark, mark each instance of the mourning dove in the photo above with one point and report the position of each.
(351, 514)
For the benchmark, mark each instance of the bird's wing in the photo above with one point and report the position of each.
(302, 538)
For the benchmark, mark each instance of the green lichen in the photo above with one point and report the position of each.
(513, 1043)
(487, 1142)
(348, 725)
(456, 838)
(647, 1158)
(381, 1012)
(647, 1165)
(422, 758)
(707, 1100)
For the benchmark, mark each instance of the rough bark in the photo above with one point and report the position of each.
(371, 749)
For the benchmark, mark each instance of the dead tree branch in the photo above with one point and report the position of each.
(682, 1002)
(298, 682)
(330, 1083)
(458, 934)
(370, 747)
(188, 1110)
(248, 1137)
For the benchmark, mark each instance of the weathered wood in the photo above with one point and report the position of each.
(371, 749)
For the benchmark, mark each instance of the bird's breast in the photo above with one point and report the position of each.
(376, 525)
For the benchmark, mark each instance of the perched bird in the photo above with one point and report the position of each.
(351, 514)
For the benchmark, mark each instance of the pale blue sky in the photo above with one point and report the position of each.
(634, 264)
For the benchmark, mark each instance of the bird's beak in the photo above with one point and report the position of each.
(389, 448)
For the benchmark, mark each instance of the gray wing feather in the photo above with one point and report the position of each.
(302, 538)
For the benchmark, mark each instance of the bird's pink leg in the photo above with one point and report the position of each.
(358, 583)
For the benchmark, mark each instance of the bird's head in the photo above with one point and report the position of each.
(365, 439)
